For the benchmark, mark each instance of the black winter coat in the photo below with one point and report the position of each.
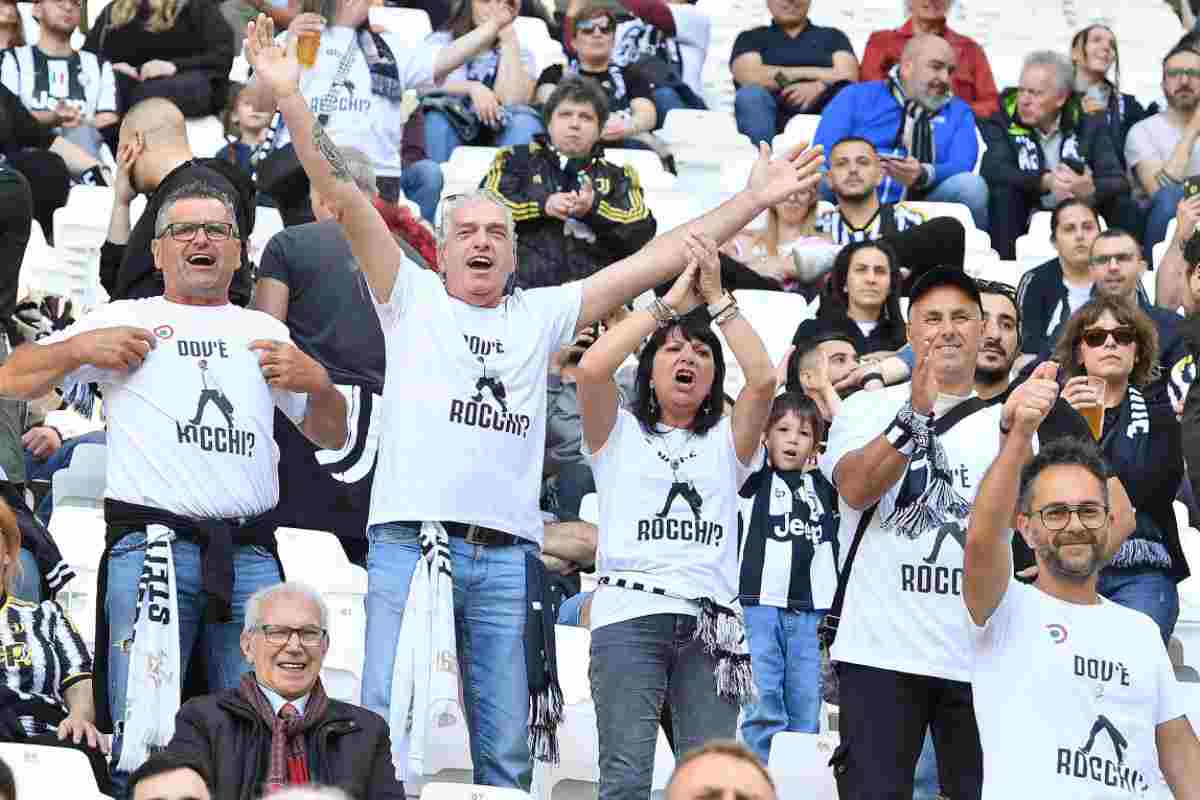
(349, 749)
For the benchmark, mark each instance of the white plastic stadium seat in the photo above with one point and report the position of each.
(956, 210)
(530, 29)
(82, 483)
(572, 646)
(800, 128)
(799, 765)
(774, 315)
(205, 135)
(469, 791)
(686, 125)
(342, 684)
(650, 171)
(50, 771)
(467, 167)
(589, 508)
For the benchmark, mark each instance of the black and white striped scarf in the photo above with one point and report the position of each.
(915, 133)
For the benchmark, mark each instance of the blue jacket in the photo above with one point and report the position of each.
(869, 110)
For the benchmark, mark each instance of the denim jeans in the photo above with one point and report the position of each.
(254, 569)
(787, 672)
(61, 459)
(441, 137)
(422, 182)
(1149, 590)
(1162, 211)
(667, 98)
(757, 112)
(966, 188)
(926, 785)
(636, 667)
(489, 617)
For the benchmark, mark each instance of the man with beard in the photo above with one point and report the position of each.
(1161, 150)
(925, 137)
(1091, 676)
(1042, 149)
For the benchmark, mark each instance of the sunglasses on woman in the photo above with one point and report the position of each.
(1096, 337)
(599, 25)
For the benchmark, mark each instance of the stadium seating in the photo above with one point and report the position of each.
(799, 764)
(82, 483)
(50, 771)
(469, 791)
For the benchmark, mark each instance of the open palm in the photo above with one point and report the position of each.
(273, 64)
(795, 170)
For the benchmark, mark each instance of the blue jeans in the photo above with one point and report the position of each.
(787, 672)
(60, 459)
(571, 610)
(668, 98)
(489, 617)
(441, 137)
(966, 188)
(1149, 590)
(254, 569)
(757, 112)
(1162, 211)
(636, 667)
(926, 785)
(422, 182)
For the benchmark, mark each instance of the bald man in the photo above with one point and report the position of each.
(153, 158)
(720, 770)
(936, 149)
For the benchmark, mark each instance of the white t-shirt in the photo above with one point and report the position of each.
(358, 117)
(464, 403)
(42, 81)
(685, 549)
(481, 68)
(1078, 295)
(687, 49)
(191, 431)
(1050, 678)
(1154, 138)
(903, 608)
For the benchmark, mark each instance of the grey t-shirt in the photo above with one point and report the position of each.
(330, 312)
(1153, 139)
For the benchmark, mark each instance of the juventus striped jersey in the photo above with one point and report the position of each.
(42, 653)
(889, 219)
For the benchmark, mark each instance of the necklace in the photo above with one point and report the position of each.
(673, 456)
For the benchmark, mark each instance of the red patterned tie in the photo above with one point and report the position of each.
(297, 758)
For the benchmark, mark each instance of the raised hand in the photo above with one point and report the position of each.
(683, 295)
(1031, 402)
(781, 369)
(797, 169)
(703, 251)
(924, 380)
(121, 349)
(1079, 393)
(274, 65)
(127, 154)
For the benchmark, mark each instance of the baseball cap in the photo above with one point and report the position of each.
(944, 276)
(813, 332)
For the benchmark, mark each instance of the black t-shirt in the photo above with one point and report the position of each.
(812, 47)
(18, 128)
(621, 84)
(330, 312)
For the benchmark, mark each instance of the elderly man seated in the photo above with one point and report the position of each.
(279, 728)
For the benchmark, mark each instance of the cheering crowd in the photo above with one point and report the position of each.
(948, 510)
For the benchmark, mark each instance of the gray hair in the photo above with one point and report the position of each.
(359, 165)
(452, 202)
(311, 793)
(1064, 70)
(908, 7)
(194, 190)
(254, 606)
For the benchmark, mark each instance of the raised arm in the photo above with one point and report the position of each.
(370, 240)
(987, 556)
(466, 47)
(771, 181)
(1171, 274)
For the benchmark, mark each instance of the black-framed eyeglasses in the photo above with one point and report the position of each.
(597, 25)
(1097, 337)
(186, 231)
(279, 635)
(1124, 259)
(1182, 72)
(1056, 516)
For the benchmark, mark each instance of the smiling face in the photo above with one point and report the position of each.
(868, 281)
(290, 669)
(1097, 52)
(1075, 230)
(1116, 266)
(950, 320)
(790, 442)
(199, 271)
(574, 128)
(998, 340)
(682, 373)
(1110, 360)
(853, 171)
(477, 254)
(1075, 552)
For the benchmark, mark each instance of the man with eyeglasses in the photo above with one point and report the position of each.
(1042, 149)
(1164, 150)
(189, 483)
(71, 92)
(279, 727)
(1074, 695)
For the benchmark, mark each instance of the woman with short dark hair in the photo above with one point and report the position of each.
(666, 626)
(1115, 340)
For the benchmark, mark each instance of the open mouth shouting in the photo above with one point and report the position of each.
(201, 260)
(685, 376)
(480, 263)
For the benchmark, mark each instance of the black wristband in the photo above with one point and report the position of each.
(872, 376)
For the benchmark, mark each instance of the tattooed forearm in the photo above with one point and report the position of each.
(328, 149)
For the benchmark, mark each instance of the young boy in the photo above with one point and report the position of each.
(789, 573)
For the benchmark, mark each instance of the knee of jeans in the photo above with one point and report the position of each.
(752, 95)
(422, 174)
